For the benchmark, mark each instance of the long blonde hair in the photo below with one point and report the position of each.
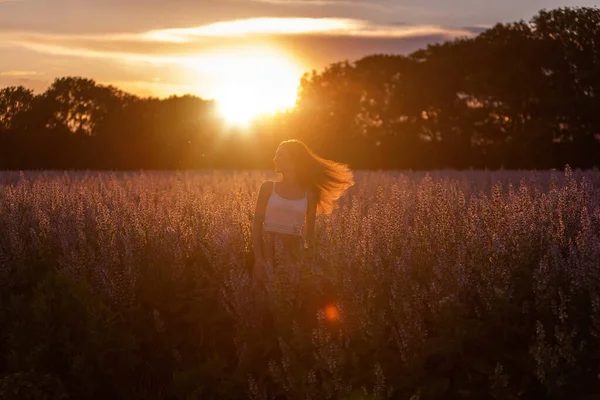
(327, 179)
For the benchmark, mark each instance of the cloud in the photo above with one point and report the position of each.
(310, 43)
(243, 28)
(252, 27)
(296, 26)
(208, 41)
(17, 73)
(476, 30)
(124, 47)
(318, 3)
(326, 50)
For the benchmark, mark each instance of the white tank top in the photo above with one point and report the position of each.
(285, 216)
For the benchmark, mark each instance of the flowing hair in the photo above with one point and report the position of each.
(327, 179)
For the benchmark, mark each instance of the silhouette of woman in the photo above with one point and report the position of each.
(285, 210)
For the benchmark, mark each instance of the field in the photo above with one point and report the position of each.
(423, 285)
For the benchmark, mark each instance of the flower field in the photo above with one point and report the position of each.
(446, 284)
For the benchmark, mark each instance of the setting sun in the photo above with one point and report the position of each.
(252, 82)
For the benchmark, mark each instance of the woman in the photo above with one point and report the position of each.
(309, 184)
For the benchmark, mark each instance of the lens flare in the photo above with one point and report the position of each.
(332, 313)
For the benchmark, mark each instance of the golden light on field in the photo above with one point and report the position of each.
(251, 81)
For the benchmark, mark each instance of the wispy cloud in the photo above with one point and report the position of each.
(296, 26)
(209, 47)
(125, 47)
(148, 45)
(253, 26)
(312, 3)
(19, 74)
(205, 59)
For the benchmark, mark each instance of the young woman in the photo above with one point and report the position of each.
(286, 209)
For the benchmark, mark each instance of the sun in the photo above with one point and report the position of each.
(257, 83)
(250, 82)
(241, 102)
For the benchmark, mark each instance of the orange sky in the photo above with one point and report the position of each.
(216, 48)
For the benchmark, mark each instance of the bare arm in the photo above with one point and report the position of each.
(259, 218)
(311, 213)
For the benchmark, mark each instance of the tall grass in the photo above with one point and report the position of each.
(423, 285)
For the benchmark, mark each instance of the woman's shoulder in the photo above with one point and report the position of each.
(266, 186)
(267, 183)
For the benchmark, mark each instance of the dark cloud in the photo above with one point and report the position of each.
(326, 50)
(94, 16)
(475, 30)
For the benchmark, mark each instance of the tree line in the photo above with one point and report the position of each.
(518, 95)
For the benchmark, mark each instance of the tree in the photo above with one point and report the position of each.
(570, 43)
(14, 101)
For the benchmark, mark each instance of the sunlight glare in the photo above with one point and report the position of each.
(254, 82)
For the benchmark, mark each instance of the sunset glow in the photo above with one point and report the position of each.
(251, 82)
(250, 60)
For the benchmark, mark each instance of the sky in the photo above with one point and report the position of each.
(226, 49)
